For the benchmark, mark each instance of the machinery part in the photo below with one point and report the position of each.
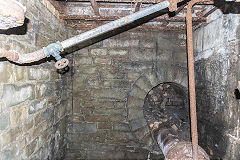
(54, 50)
(11, 14)
(62, 63)
(173, 148)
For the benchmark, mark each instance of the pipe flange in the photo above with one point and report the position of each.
(62, 63)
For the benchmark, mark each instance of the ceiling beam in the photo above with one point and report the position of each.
(112, 18)
(88, 26)
(210, 12)
(131, 1)
(95, 7)
(138, 6)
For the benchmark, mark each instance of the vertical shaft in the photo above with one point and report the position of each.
(192, 93)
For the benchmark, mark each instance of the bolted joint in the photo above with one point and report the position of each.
(54, 50)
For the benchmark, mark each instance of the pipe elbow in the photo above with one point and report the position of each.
(22, 58)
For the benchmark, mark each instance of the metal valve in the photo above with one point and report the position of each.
(62, 63)
(54, 50)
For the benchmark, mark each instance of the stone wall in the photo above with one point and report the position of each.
(110, 82)
(33, 98)
(217, 74)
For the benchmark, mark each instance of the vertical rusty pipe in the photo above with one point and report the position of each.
(193, 112)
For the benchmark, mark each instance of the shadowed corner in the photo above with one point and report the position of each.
(21, 30)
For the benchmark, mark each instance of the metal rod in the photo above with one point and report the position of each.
(191, 76)
(113, 25)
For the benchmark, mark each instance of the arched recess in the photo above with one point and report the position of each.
(135, 102)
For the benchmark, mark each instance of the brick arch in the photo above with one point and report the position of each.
(135, 101)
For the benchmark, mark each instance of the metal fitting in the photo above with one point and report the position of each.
(54, 50)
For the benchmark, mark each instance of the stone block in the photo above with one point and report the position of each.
(122, 127)
(38, 74)
(15, 94)
(117, 52)
(82, 61)
(138, 93)
(10, 153)
(135, 113)
(104, 125)
(109, 93)
(117, 118)
(81, 52)
(165, 56)
(41, 41)
(37, 105)
(10, 136)
(117, 111)
(213, 34)
(144, 84)
(112, 43)
(142, 55)
(18, 114)
(106, 61)
(117, 137)
(137, 123)
(105, 155)
(97, 118)
(198, 40)
(99, 52)
(45, 90)
(28, 125)
(4, 121)
(134, 102)
(86, 70)
(142, 132)
(137, 155)
(73, 154)
(148, 44)
(6, 72)
(30, 149)
(152, 78)
(83, 127)
(132, 76)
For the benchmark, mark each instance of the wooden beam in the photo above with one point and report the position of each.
(95, 7)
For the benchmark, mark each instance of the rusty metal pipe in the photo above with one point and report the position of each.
(192, 93)
(172, 147)
(22, 58)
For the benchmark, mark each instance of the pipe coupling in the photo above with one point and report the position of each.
(54, 50)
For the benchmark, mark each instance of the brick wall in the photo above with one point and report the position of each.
(33, 98)
(217, 76)
(110, 82)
